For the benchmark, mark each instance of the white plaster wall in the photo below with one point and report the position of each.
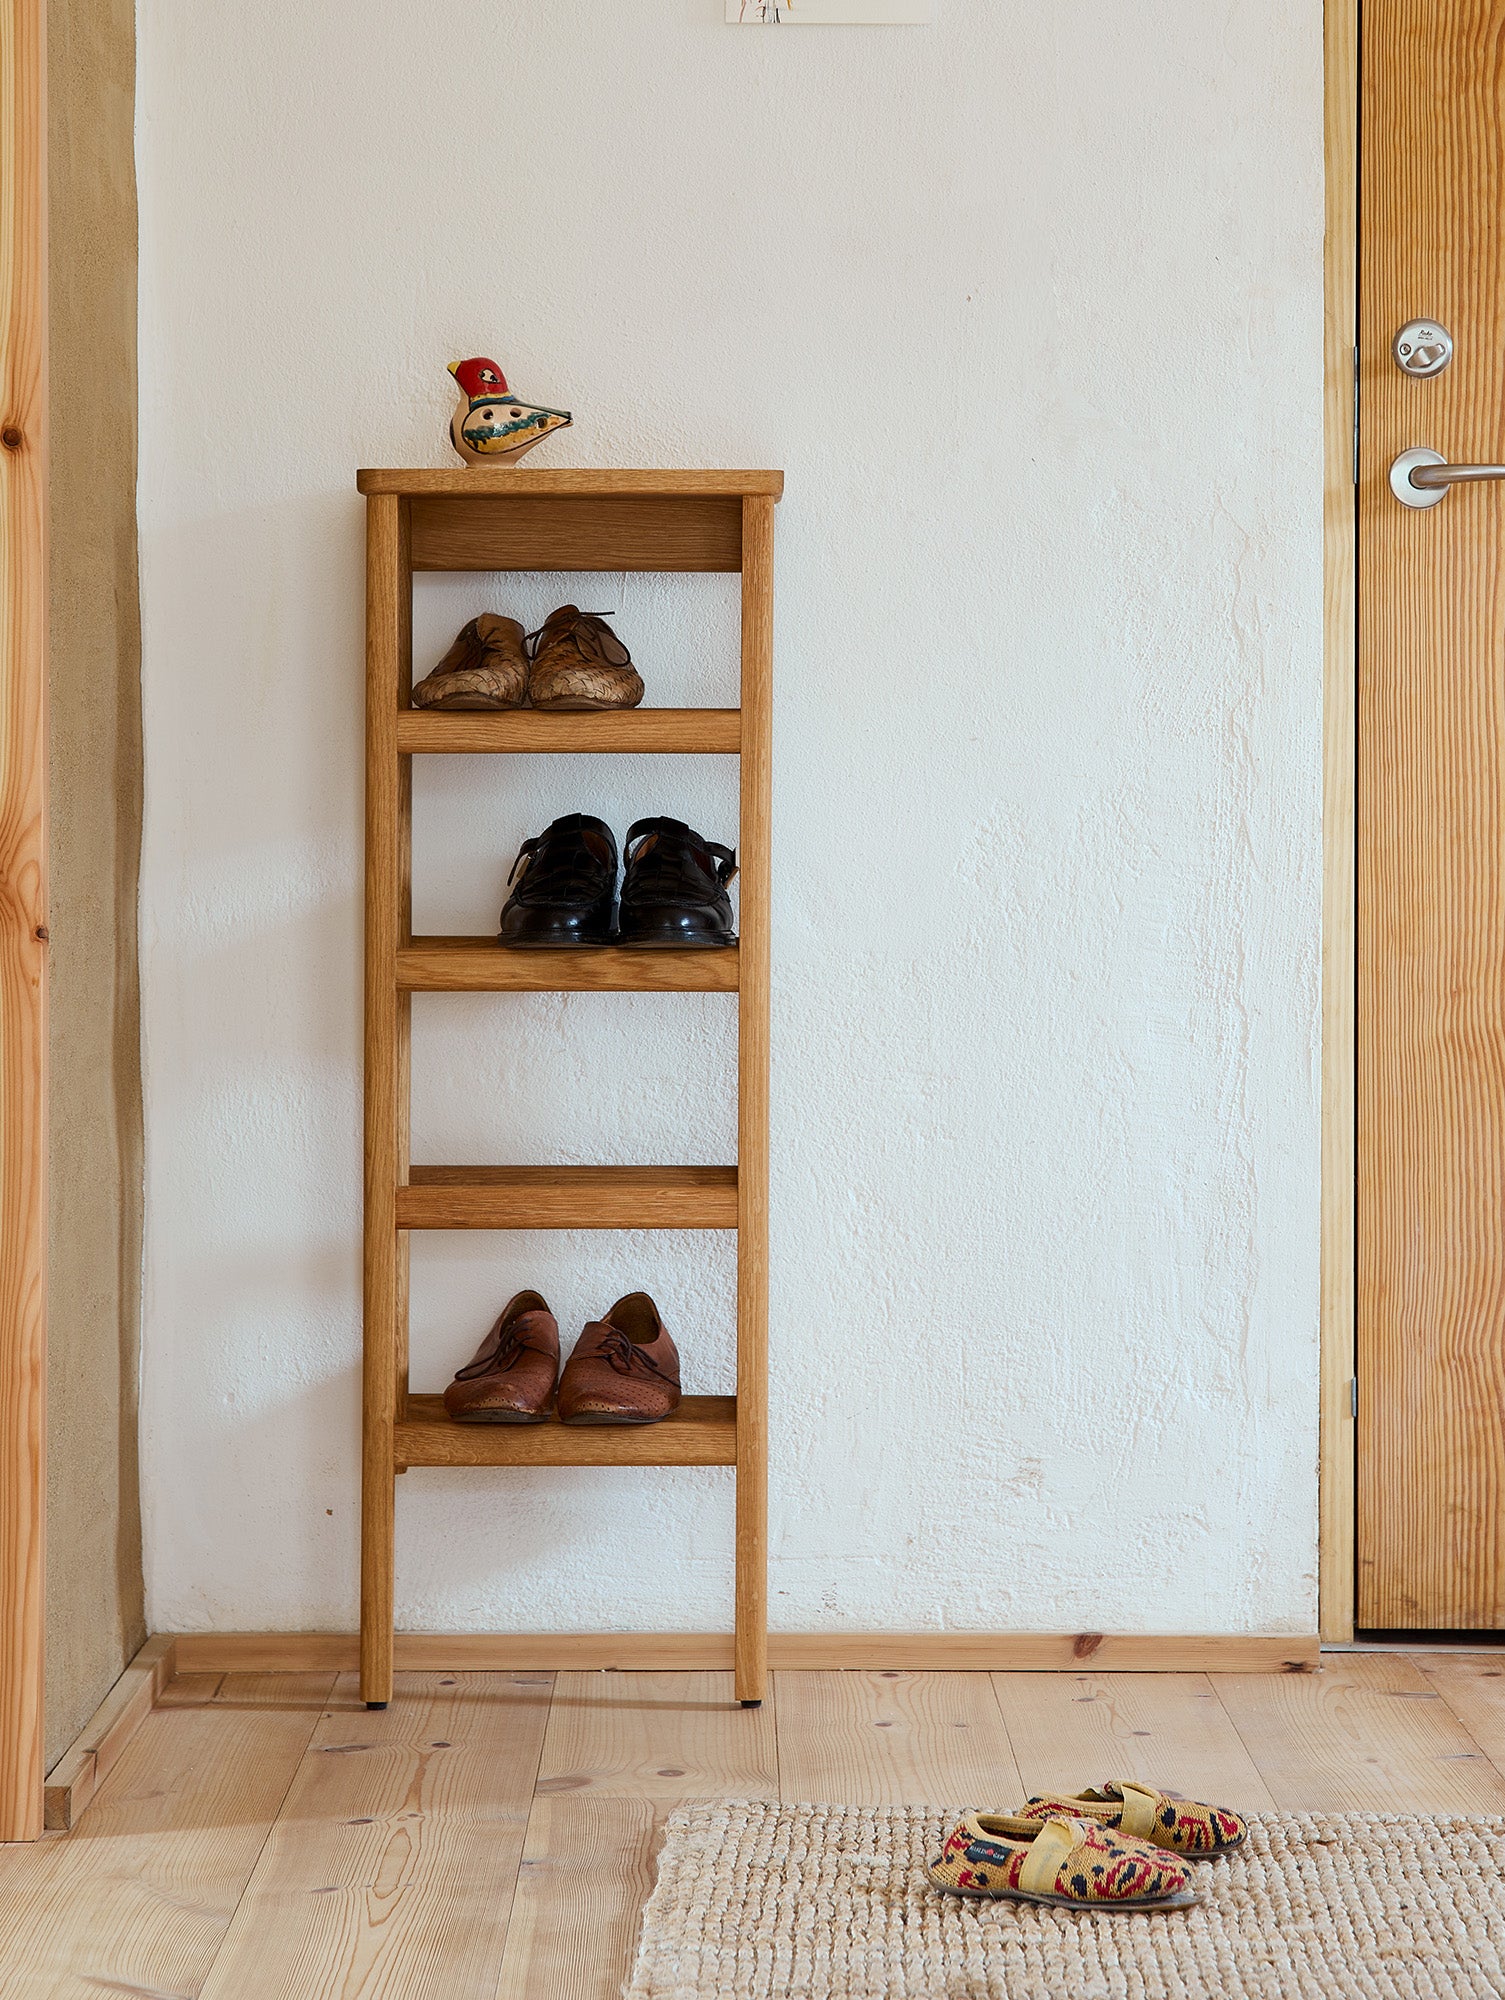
(1028, 306)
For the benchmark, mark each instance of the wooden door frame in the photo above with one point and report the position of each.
(1336, 1571)
(23, 906)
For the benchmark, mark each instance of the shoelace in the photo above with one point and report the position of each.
(513, 1344)
(625, 1355)
(591, 642)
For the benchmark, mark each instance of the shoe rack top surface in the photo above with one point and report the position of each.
(491, 481)
(508, 518)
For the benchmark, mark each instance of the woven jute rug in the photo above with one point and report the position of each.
(798, 1902)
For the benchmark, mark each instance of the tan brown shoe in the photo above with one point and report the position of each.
(579, 662)
(624, 1370)
(486, 667)
(511, 1379)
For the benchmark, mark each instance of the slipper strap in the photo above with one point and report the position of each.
(1141, 1811)
(1047, 1856)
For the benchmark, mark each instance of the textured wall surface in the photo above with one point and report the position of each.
(94, 1586)
(1028, 306)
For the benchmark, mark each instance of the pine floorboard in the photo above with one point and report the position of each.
(1473, 1686)
(390, 1870)
(658, 1736)
(1071, 1730)
(893, 1739)
(493, 1836)
(1369, 1733)
(137, 1897)
(588, 1869)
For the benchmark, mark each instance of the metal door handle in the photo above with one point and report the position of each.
(1449, 475)
(1421, 477)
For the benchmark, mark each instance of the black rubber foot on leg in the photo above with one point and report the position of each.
(753, 1704)
(376, 1704)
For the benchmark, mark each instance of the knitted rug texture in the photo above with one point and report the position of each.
(807, 1902)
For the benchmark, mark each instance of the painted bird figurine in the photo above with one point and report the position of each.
(490, 425)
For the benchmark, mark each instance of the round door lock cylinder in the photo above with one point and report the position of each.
(1422, 348)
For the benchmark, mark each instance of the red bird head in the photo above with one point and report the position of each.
(479, 377)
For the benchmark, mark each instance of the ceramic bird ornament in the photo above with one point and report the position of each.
(491, 426)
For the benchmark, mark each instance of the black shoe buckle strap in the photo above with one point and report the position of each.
(584, 826)
(524, 855)
(724, 857)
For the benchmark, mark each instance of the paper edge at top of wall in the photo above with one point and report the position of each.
(827, 13)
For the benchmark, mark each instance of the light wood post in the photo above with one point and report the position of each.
(752, 1101)
(388, 929)
(1336, 1575)
(23, 907)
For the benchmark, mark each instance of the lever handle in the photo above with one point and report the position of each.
(1449, 475)
(1421, 477)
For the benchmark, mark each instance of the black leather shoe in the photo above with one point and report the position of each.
(674, 889)
(565, 880)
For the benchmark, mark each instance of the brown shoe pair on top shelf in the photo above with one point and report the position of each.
(573, 661)
(624, 1370)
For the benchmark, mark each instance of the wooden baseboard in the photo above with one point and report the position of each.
(685, 1652)
(83, 1767)
(1047, 1652)
(81, 1770)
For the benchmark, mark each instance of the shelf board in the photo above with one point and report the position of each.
(611, 482)
(468, 732)
(702, 1431)
(481, 965)
(568, 1198)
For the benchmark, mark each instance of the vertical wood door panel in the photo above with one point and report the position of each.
(23, 906)
(1431, 873)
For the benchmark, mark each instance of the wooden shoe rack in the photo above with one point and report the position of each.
(482, 519)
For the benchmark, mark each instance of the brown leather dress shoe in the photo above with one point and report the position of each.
(511, 1380)
(624, 1370)
(486, 667)
(579, 662)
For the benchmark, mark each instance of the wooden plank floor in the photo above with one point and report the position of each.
(492, 1836)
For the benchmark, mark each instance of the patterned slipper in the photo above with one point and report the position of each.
(1058, 1860)
(1185, 1826)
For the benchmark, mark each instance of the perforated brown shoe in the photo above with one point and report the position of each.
(511, 1378)
(579, 662)
(624, 1370)
(486, 667)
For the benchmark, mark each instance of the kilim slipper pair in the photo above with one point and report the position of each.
(1060, 1859)
(1105, 1848)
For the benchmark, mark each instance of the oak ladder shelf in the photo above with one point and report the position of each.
(489, 519)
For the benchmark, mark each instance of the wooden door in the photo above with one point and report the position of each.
(1431, 822)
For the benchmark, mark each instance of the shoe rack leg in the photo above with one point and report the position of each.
(751, 1650)
(388, 927)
